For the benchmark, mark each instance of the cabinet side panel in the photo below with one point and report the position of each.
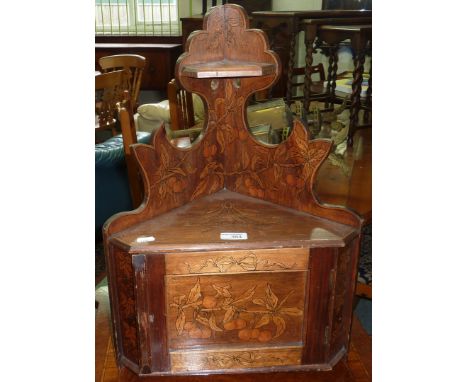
(126, 304)
(157, 308)
(321, 266)
(344, 295)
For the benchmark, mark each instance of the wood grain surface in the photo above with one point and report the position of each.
(356, 368)
(252, 260)
(198, 225)
(248, 309)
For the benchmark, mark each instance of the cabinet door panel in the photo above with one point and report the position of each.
(242, 309)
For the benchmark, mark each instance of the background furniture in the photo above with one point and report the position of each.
(185, 299)
(248, 5)
(134, 64)
(112, 187)
(180, 107)
(160, 60)
(283, 27)
(117, 182)
(347, 4)
(109, 89)
(360, 36)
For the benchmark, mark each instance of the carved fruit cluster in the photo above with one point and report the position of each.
(252, 319)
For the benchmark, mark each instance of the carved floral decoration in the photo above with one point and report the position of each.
(200, 315)
(247, 263)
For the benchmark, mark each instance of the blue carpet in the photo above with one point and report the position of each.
(363, 312)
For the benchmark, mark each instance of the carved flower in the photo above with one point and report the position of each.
(275, 311)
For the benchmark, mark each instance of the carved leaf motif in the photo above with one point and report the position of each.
(227, 301)
(259, 301)
(280, 325)
(213, 325)
(222, 290)
(202, 320)
(255, 160)
(201, 188)
(218, 180)
(246, 296)
(219, 107)
(164, 157)
(276, 172)
(220, 139)
(180, 322)
(265, 320)
(291, 311)
(257, 179)
(239, 182)
(280, 153)
(179, 171)
(271, 300)
(249, 263)
(229, 315)
(245, 159)
(229, 92)
(194, 293)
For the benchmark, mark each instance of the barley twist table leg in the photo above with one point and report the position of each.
(356, 95)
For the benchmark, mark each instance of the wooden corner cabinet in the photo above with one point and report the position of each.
(231, 265)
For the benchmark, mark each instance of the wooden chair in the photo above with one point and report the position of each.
(135, 64)
(182, 115)
(112, 104)
(109, 89)
(180, 107)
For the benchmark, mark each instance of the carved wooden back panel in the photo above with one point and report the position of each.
(225, 63)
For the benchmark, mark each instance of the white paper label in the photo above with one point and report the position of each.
(145, 239)
(233, 236)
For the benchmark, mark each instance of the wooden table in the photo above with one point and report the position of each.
(358, 367)
(332, 35)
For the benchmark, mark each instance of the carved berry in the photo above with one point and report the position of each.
(213, 150)
(264, 336)
(189, 325)
(195, 333)
(209, 302)
(291, 179)
(240, 323)
(171, 181)
(253, 191)
(245, 334)
(255, 333)
(243, 134)
(300, 183)
(178, 186)
(205, 332)
(231, 325)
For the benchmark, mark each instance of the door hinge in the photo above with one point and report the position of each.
(331, 280)
(327, 335)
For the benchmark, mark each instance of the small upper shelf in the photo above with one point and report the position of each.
(227, 68)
